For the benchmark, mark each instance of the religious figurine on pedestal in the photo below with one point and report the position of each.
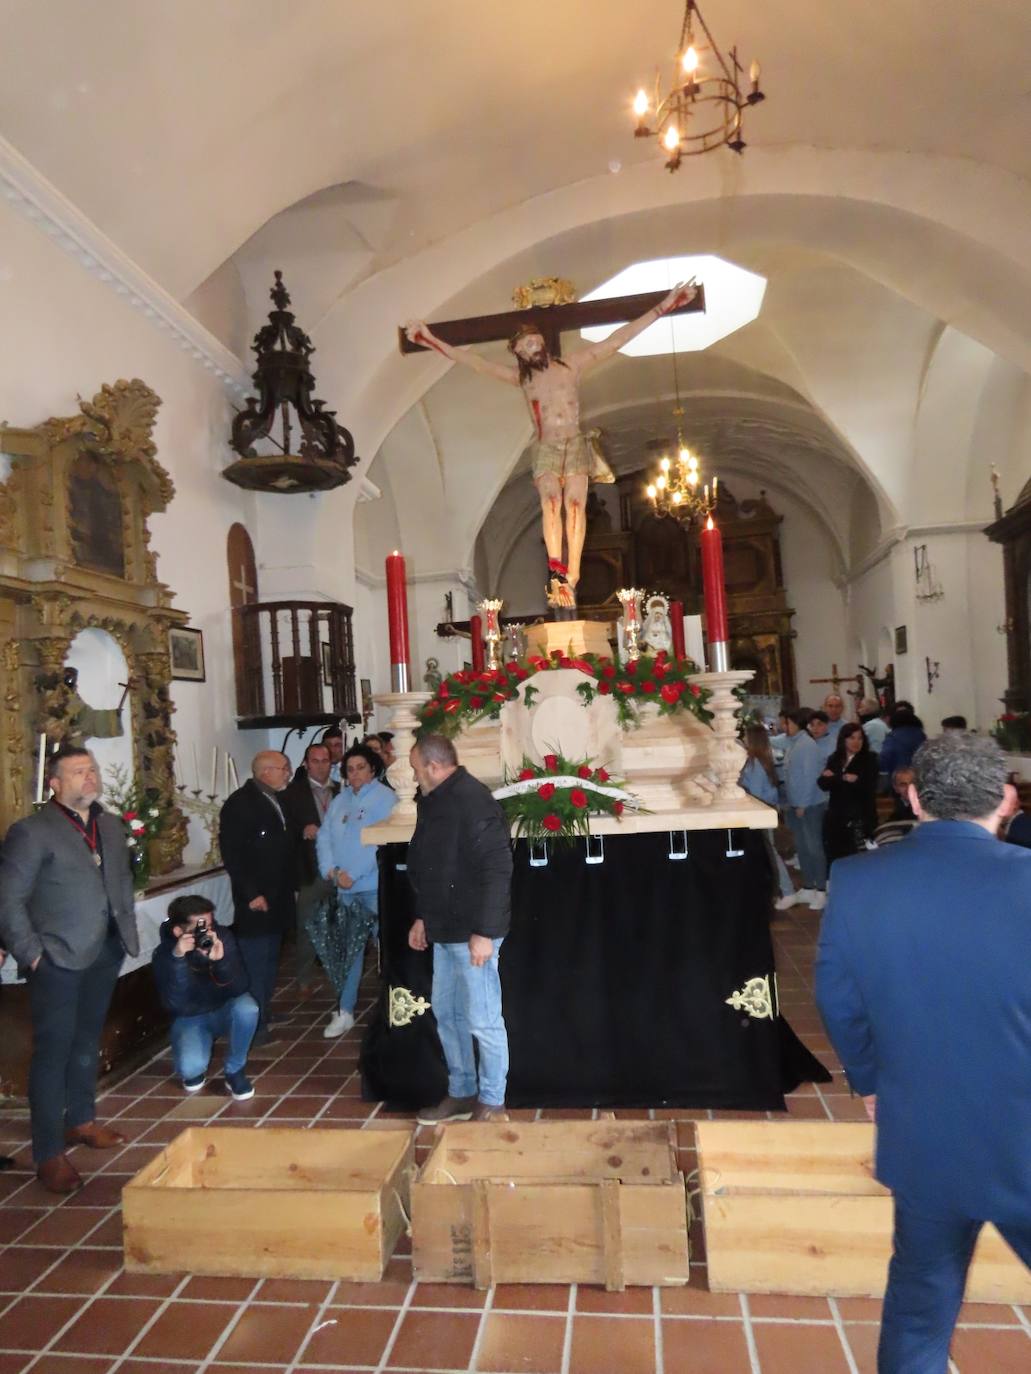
(68, 720)
(657, 634)
(565, 456)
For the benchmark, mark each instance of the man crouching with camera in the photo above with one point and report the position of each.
(202, 981)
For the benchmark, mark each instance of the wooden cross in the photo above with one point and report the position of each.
(836, 679)
(551, 320)
(244, 587)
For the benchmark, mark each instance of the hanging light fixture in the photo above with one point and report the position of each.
(677, 488)
(704, 106)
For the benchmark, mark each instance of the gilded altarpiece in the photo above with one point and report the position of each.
(75, 554)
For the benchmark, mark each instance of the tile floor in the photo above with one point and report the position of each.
(68, 1307)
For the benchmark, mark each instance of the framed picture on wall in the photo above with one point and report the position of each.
(367, 705)
(186, 650)
(901, 640)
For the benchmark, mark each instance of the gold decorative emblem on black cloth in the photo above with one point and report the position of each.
(758, 998)
(404, 1006)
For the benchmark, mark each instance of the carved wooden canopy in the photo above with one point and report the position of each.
(75, 553)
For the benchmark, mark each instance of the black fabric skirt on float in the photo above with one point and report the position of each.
(643, 980)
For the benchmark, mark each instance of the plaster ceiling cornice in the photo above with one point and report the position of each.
(37, 200)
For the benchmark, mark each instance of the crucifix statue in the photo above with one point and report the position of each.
(836, 679)
(565, 456)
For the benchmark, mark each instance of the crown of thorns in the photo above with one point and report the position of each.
(523, 332)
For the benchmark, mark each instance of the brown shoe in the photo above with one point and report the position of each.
(58, 1176)
(451, 1109)
(484, 1112)
(94, 1135)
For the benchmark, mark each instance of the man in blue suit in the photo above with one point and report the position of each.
(923, 979)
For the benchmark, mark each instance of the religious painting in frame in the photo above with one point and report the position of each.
(901, 640)
(186, 652)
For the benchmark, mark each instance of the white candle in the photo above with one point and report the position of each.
(214, 768)
(41, 770)
(236, 778)
(228, 788)
(196, 769)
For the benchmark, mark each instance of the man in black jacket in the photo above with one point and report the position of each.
(306, 802)
(257, 850)
(460, 868)
(202, 981)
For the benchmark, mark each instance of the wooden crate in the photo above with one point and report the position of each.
(551, 1202)
(270, 1203)
(793, 1207)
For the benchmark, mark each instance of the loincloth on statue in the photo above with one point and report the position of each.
(576, 457)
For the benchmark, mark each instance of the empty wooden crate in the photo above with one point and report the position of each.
(793, 1207)
(270, 1202)
(551, 1202)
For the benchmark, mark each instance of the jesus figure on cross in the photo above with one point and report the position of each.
(565, 456)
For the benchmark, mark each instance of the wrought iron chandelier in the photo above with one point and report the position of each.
(705, 104)
(677, 488)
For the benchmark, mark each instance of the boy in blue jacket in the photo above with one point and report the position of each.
(202, 981)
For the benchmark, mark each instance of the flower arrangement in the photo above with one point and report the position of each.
(467, 696)
(141, 813)
(1012, 731)
(556, 800)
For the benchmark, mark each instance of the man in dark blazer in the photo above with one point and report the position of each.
(258, 852)
(68, 917)
(306, 802)
(923, 979)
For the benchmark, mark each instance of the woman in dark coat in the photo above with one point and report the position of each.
(850, 779)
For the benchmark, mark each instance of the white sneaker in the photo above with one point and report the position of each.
(804, 896)
(818, 901)
(786, 903)
(339, 1024)
(792, 862)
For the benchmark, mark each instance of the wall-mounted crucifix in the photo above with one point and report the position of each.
(565, 456)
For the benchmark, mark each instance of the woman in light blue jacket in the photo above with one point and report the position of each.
(759, 779)
(344, 860)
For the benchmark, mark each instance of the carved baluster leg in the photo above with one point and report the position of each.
(726, 752)
(403, 722)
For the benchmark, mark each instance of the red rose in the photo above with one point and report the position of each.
(500, 696)
(463, 677)
(431, 706)
(565, 662)
(546, 791)
(452, 706)
(521, 674)
(670, 692)
(556, 653)
(539, 663)
(626, 688)
(443, 691)
(661, 669)
(601, 775)
(604, 688)
(551, 822)
(609, 670)
(584, 771)
(695, 690)
(579, 798)
(512, 666)
(617, 809)
(583, 665)
(661, 656)
(631, 667)
(476, 702)
(526, 774)
(129, 815)
(648, 686)
(551, 762)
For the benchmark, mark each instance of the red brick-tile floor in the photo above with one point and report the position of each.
(68, 1307)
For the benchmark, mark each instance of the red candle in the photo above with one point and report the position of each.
(476, 637)
(711, 542)
(397, 609)
(676, 625)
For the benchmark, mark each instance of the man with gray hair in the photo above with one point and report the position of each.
(460, 869)
(257, 846)
(923, 979)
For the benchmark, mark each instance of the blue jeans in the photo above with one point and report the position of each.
(349, 992)
(467, 1005)
(193, 1036)
(808, 832)
(926, 1278)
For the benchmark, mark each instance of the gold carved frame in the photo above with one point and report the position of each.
(46, 597)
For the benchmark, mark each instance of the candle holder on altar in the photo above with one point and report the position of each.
(630, 599)
(404, 718)
(491, 610)
(727, 754)
(207, 807)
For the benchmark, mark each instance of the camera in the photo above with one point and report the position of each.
(203, 938)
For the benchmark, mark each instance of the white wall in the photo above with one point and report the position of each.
(65, 334)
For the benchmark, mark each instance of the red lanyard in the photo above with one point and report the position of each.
(90, 836)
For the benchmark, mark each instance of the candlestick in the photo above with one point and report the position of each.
(492, 633)
(676, 625)
(726, 754)
(397, 621)
(630, 599)
(476, 642)
(711, 543)
(41, 771)
(404, 720)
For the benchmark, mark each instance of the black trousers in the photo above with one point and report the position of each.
(68, 1008)
(260, 954)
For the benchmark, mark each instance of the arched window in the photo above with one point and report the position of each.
(243, 591)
